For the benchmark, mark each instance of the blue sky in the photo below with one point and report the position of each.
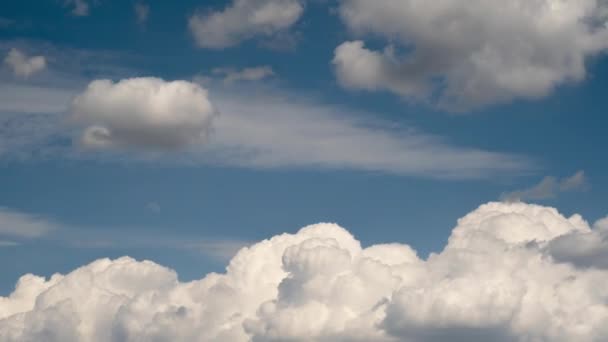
(387, 162)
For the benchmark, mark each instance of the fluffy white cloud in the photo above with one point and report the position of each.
(143, 112)
(17, 224)
(494, 281)
(244, 19)
(470, 53)
(23, 65)
(549, 187)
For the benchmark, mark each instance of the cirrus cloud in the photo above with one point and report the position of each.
(495, 280)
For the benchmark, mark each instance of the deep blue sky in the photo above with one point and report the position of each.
(562, 133)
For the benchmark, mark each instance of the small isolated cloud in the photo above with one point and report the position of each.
(549, 187)
(22, 225)
(5, 243)
(147, 113)
(462, 55)
(80, 8)
(242, 20)
(142, 11)
(495, 280)
(23, 65)
(153, 207)
(231, 75)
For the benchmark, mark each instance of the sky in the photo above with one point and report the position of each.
(180, 132)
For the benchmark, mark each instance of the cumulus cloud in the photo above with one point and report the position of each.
(17, 224)
(80, 8)
(464, 55)
(494, 281)
(244, 19)
(231, 75)
(23, 65)
(143, 113)
(549, 187)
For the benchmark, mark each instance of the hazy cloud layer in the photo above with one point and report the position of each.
(144, 113)
(23, 65)
(470, 54)
(22, 225)
(549, 187)
(258, 127)
(494, 281)
(244, 19)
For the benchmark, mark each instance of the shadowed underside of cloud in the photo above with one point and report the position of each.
(496, 280)
(469, 54)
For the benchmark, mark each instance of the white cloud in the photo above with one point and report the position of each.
(23, 225)
(142, 11)
(244, 19)
(549, 187)
(80, 7)
(231, 75)
(144, 113)
(493, 281)
(470, 54)
(23, 65)
(277, 130)
(259, 127)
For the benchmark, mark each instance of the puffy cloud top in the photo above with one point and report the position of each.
(143, 112)
(474, 53)
(244, 19)
(321, 285)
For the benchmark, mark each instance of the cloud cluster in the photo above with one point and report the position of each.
(466, 54)
(143, 113)
(244, 19)
(496, 280)
(23, 65)
(549, 187)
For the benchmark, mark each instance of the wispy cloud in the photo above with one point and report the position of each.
(549, 187)
(23, 225)
(231, 75)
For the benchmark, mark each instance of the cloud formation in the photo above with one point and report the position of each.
(22, 225)
(231, 75)
(494, 281)
(80, 7)
(242, 20)
(549, 187)
(464, 55)
(143, 113)
(23, 65)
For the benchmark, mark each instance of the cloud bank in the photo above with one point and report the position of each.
(143, 112)
(463, 55)
(22, 65)
(242, 20)
(496, 280)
